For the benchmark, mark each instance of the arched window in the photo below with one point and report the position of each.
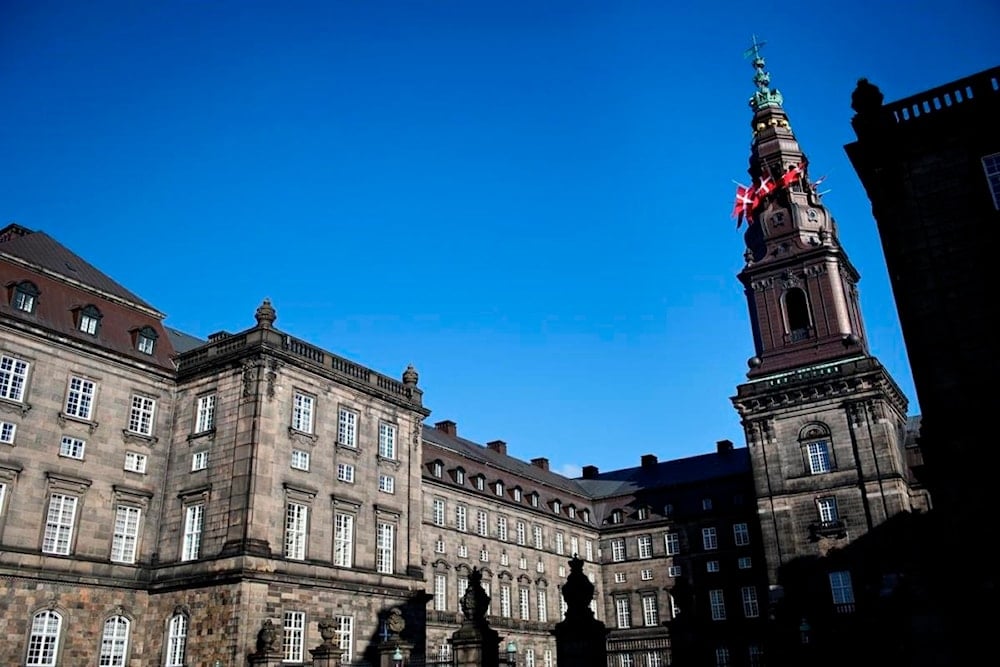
(797, 313)
(43, 644)
(114, 642)
(816, 450)
(177, 640)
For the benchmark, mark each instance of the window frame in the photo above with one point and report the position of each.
(717, 604)
(293, 636)
(125, 534)
(142, 415)
(176, 644)
(303, 418)
(387, 440)
(296, 532)
(194, 526)
(13, 378)
(205, 406)
(709, 538)
(385, 547)
(44, 643)
(344, 526)
(623, 613)
(58, 530)
(114, 648)
(650, 610)
(24, 296)
(79, 401)
(347, 427)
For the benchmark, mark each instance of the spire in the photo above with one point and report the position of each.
(765, 96)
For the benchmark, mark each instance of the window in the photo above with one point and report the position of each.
(588, 548)
(460, 518)
(484, 555)
(797, 311)
(827, 509)
(384, 548)
(347, 428)
(498, 488)
(709, 539)
(3, 496)
(7, 431)
(193, 518)
(712, 566)
(345, 637)
(673, 543)
(25, 297)
(296, 520)
(706, 504)
(645, 543)
(756, 655)
(540, 567)
(520, 532)
(480, 483)
(386, 440)
(617, 516)
(177, 641)
(343, 539)
(626, 660)
(654, 659)
(523, 604)
(140, 419)
(504, 559)
(293, 638)
(744, 563)
(505, 600)
(571, 512)
(541, 600)
(619, 577)
(114, 642)
(560, 547)
(502, 528)
(642, 514)
(345, 472)
(482, 523)
(741, 534)
(459, 479)
(439, 546)
(71, 447)
(437, 469)
(59, 522)
(387, 484)
(517, 494)
(135, 462)
(440, 592)
(13, 377)
(302, 412)
(646, 575)
(617, 550)
(841, 588)
(533, 499)
(126, 534)
(537, 535)
(585, 515)
(145, 340)
(819, 457)
(199, 460)
(300, 460)
(529, 658)
(991, 165)
(674, 571)
(718, 604)
(463, 551)
(437, 512)
(574, 546)
(668, 510)
(205, 414)
(650, 611)
(750, 607)
(43, 643)
(722, 657)
(557, 506)
(623, 613)
(80, 398)
(522, 563)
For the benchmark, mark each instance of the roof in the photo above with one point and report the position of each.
(181, 341)
(690, 470)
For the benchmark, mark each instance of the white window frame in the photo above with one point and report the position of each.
(560, 544)
(60, 524)
(818, 453)
(439, 546)
(296, 530)
(347, 428)
(717, 602)
(502, 528)
(542, 604)
(574, 546)
(125, 538)
(72, 448)
(345, 472)
(205, 414)
(744, 563)
(385, 548)
(482, 523)
(520, 533)
(646, 575)
(300, 460)
(13, 378)
(623, 613)
(741, 534)
(386, 483)
(88, 321)
(114, 641)
(437, 511)
(498, 488)
(674, 571)
(588, 548)
(751, 608)
(199, 460)
(461, 518)
(7, 432)
(303, 412)
(618, 553)
(536, 532)
(505, 600)
(345, 638)
(387, 440)
(440, 591)
(80, 395)
(672, 543)
(524, 603)
(144, 342)
(194, 521)
(177, 630)
(712, 566)
(343, 539)
(650, 611)
(709, 538)
(293, 636)
(135, 462)
(619, 577)
(484, 555)
(827, 508)
(645, 544)
(141, 415)
(43, 640)
(841, 587)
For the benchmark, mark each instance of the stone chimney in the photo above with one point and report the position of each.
(724, 446)
(540, 462)
(649, 460)
(498, 446)
(590, 472)
(447, 426)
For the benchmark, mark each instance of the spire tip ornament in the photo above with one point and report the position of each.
(765, 96)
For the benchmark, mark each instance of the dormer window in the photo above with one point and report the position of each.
(480, 483)
(668, 510)
(706, 504)
(571, 511)
(517, 494)
(24, 296)
(557, 506)
(498, 487)
(437, 469)
(533, 499)
(88, 319)
(145, 339)
(459, 476)
(617, 516)
(643, 513)
(585, 515)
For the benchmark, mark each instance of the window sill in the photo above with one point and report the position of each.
(14, 407)
(206, 435)
(65, 418)
(302, 436)
(132, 437)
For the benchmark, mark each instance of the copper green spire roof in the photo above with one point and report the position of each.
(765, 96)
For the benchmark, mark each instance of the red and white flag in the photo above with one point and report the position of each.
(742, 207)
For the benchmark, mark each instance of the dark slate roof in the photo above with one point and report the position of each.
(482, 454)
(181, 341)
(677, 472)
(42, 250)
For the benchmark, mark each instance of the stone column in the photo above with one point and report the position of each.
(475, 643)
(580, 638)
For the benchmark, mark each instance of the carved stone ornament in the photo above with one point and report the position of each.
(328, 630)
(267, 638)
(396, 621)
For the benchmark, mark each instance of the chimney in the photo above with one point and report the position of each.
(542, 463)
(498, 446)
(649, 460)
(447, 426)
(590, 472)
(724, 446)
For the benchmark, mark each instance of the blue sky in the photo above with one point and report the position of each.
(528, 201)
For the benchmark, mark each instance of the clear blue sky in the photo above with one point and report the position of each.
(529, 201)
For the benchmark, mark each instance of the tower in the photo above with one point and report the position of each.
(825, 423)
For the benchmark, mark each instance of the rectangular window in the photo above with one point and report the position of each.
(126, 534)
(623, 614)
(345, 638)
(619, 577)
(645, 543)
(543, 604)
(674, 571)
(504, 559)
(741, 534)
(537, 533)
(293, 639)
(387, 440)
(560, 545)
(626, 660)
(482, 523)
(345, 472)
(505, 600)
(991, 165)
(460, 518)
(520, 532)
(199, 460)
(71, 447)
(841, 588)
(59, 523)
(440, 592)
(756, 654)
(712, 566)
(193, 518)
(750, 607)
(484, 555)
(650, 611)
(744, 563)
(13, 377)
(502, 528)
(7, 431)
(300, 460)
(718, 604)
(588, 548)
(722, 657)
(302, 412)
(343, 539)
(709, 539)
(574, 546)
(140, 418)
(145, 343)
(617, 550)
(654, 659)
(463, 585)
(437, 512)
(135, 462)
(296, 519)
(463, 551)
(706, 504)
(827, 509)
(205, 415)
(439, 546)
(673, 543)
(522, 563)
(523, 604)
(384, 548)
(347, 428)
(80, 398)
(387, 484)
(88, 323)
(646, 575)
(819, 457)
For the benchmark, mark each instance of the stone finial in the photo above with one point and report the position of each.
(475, 601)
(267, 638)
(265, 314)
(578, 590)
(410, 376)
(866, 98)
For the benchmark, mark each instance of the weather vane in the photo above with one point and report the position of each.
(754, 49)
